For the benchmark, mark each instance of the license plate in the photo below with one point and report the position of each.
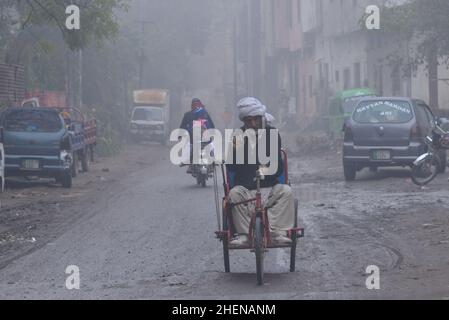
(30, 164)
(381, 155)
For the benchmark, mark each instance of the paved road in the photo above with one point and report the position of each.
(150, 235)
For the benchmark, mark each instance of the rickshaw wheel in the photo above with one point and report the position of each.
(294, 241)
(226, 244)
(259, 249)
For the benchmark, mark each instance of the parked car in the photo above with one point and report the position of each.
(82, 129)
(37, 144)
(385, 132)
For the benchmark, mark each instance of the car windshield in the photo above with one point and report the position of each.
(147, 115)
(33, 121)
(384, 111)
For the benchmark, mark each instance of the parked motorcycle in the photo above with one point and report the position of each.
(429, 165)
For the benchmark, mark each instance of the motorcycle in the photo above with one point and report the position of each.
(426, 168)
(203, 169)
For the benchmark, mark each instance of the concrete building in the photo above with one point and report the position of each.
(296, 54)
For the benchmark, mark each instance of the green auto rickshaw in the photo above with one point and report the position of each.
(342, 106)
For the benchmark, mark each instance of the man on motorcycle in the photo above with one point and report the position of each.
(198, 115)
(278, 197)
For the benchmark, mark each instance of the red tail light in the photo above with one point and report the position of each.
(416, 132)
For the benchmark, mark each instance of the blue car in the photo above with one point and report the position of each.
(37, 143)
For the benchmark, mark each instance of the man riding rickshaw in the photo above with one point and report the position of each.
(259, 210)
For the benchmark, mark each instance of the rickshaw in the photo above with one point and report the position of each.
(341, 107)
(259, 232)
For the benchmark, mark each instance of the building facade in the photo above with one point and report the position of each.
(297, 54)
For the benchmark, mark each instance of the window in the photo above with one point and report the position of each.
(396, 81)
(33, 121)
(347, 79)
(429, 117)
(147, 114)
(384, 111)
(422, 119)
(310, 86)
(357, 75)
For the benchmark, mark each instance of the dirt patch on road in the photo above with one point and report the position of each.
(34, 213)
(381, 219)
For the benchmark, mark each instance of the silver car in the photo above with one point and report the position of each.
(386, 132)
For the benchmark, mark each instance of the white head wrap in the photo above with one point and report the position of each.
(250, 107)
(270, 119)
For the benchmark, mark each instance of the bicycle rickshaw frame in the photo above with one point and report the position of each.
(259, 232)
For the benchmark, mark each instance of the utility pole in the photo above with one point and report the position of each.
(142, 57)
(235, 63)
(80, 78)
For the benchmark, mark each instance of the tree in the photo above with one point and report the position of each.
(98, 21)
(425, 23)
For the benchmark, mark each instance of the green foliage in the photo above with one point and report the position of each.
(98, 21)
(159, 35)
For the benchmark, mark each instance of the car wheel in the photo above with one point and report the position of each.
(75, 165)
(85, 160)
(66, 179)
(350, 171)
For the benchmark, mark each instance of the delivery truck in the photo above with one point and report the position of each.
(150, 116)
